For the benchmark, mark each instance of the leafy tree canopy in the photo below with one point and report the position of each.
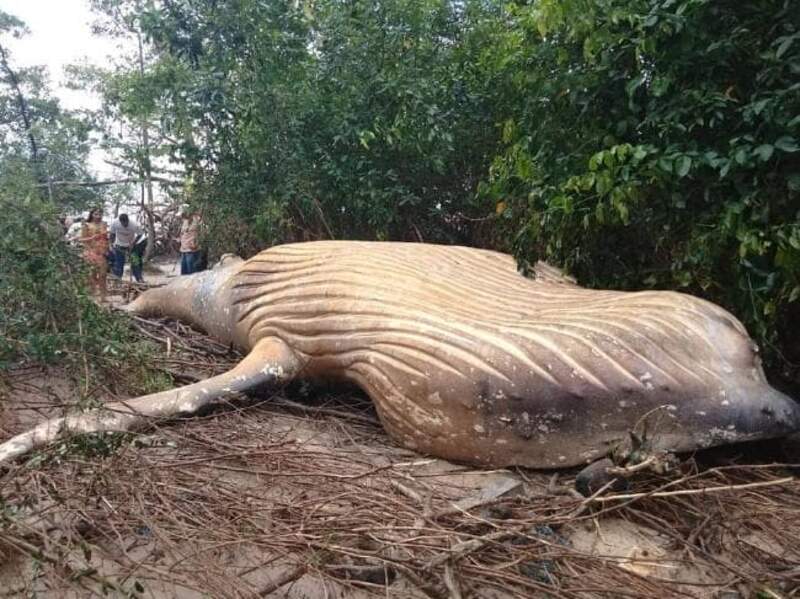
(637, 143)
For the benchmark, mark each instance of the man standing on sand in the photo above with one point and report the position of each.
(123, 233)
(190, 247)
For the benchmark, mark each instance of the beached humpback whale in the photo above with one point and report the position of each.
(465, 358)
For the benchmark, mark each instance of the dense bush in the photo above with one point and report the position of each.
(46, 315)
(638, 143)
(658, 147)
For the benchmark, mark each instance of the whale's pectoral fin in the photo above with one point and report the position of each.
(271, 362)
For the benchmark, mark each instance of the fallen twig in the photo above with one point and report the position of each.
(703, 491)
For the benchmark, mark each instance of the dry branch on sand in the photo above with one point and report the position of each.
(303, 497)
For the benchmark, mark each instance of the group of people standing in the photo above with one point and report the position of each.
(125, 241)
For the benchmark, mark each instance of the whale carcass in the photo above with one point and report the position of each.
(465, 358)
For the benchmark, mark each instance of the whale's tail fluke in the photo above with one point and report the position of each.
(201, 299)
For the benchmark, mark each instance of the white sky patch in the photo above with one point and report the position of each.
(61, 34)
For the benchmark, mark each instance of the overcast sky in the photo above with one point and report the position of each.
(60, 34)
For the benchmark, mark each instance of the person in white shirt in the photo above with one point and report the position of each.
(123, 234)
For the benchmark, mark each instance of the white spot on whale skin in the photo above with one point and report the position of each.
(562, 458)
(701, 413)
(273, 371)
(479, 429)
(435, 399)
(725, 403)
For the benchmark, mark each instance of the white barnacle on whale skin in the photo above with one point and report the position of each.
(435, 399)
(717, 434)
(273, 370)
(645, 380)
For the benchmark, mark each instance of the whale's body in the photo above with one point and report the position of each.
(468, 360)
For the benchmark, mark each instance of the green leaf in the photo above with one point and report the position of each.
(599, 213)
(784, 46)
(787, 144)
(759, 106)
(794, 294)
(684, 163)
(622, 209)
(764, 151)
(741, 155)
(633, 85)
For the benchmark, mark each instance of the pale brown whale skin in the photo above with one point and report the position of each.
(468, 360)
(464, 358)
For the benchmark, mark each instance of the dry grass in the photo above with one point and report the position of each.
(277, 497)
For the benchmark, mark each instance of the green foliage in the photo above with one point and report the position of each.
(46, 315)
(90, 446)
(345, 120)
(45, 312)
(638, 143)
(659, 147)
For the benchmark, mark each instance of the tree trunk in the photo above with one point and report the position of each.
(147, 172)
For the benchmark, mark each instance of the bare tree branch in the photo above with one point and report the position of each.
(136, 181)
(21, 103)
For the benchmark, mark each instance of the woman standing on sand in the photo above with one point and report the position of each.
(94, 237)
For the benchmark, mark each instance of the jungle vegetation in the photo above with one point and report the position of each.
(635, 143)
